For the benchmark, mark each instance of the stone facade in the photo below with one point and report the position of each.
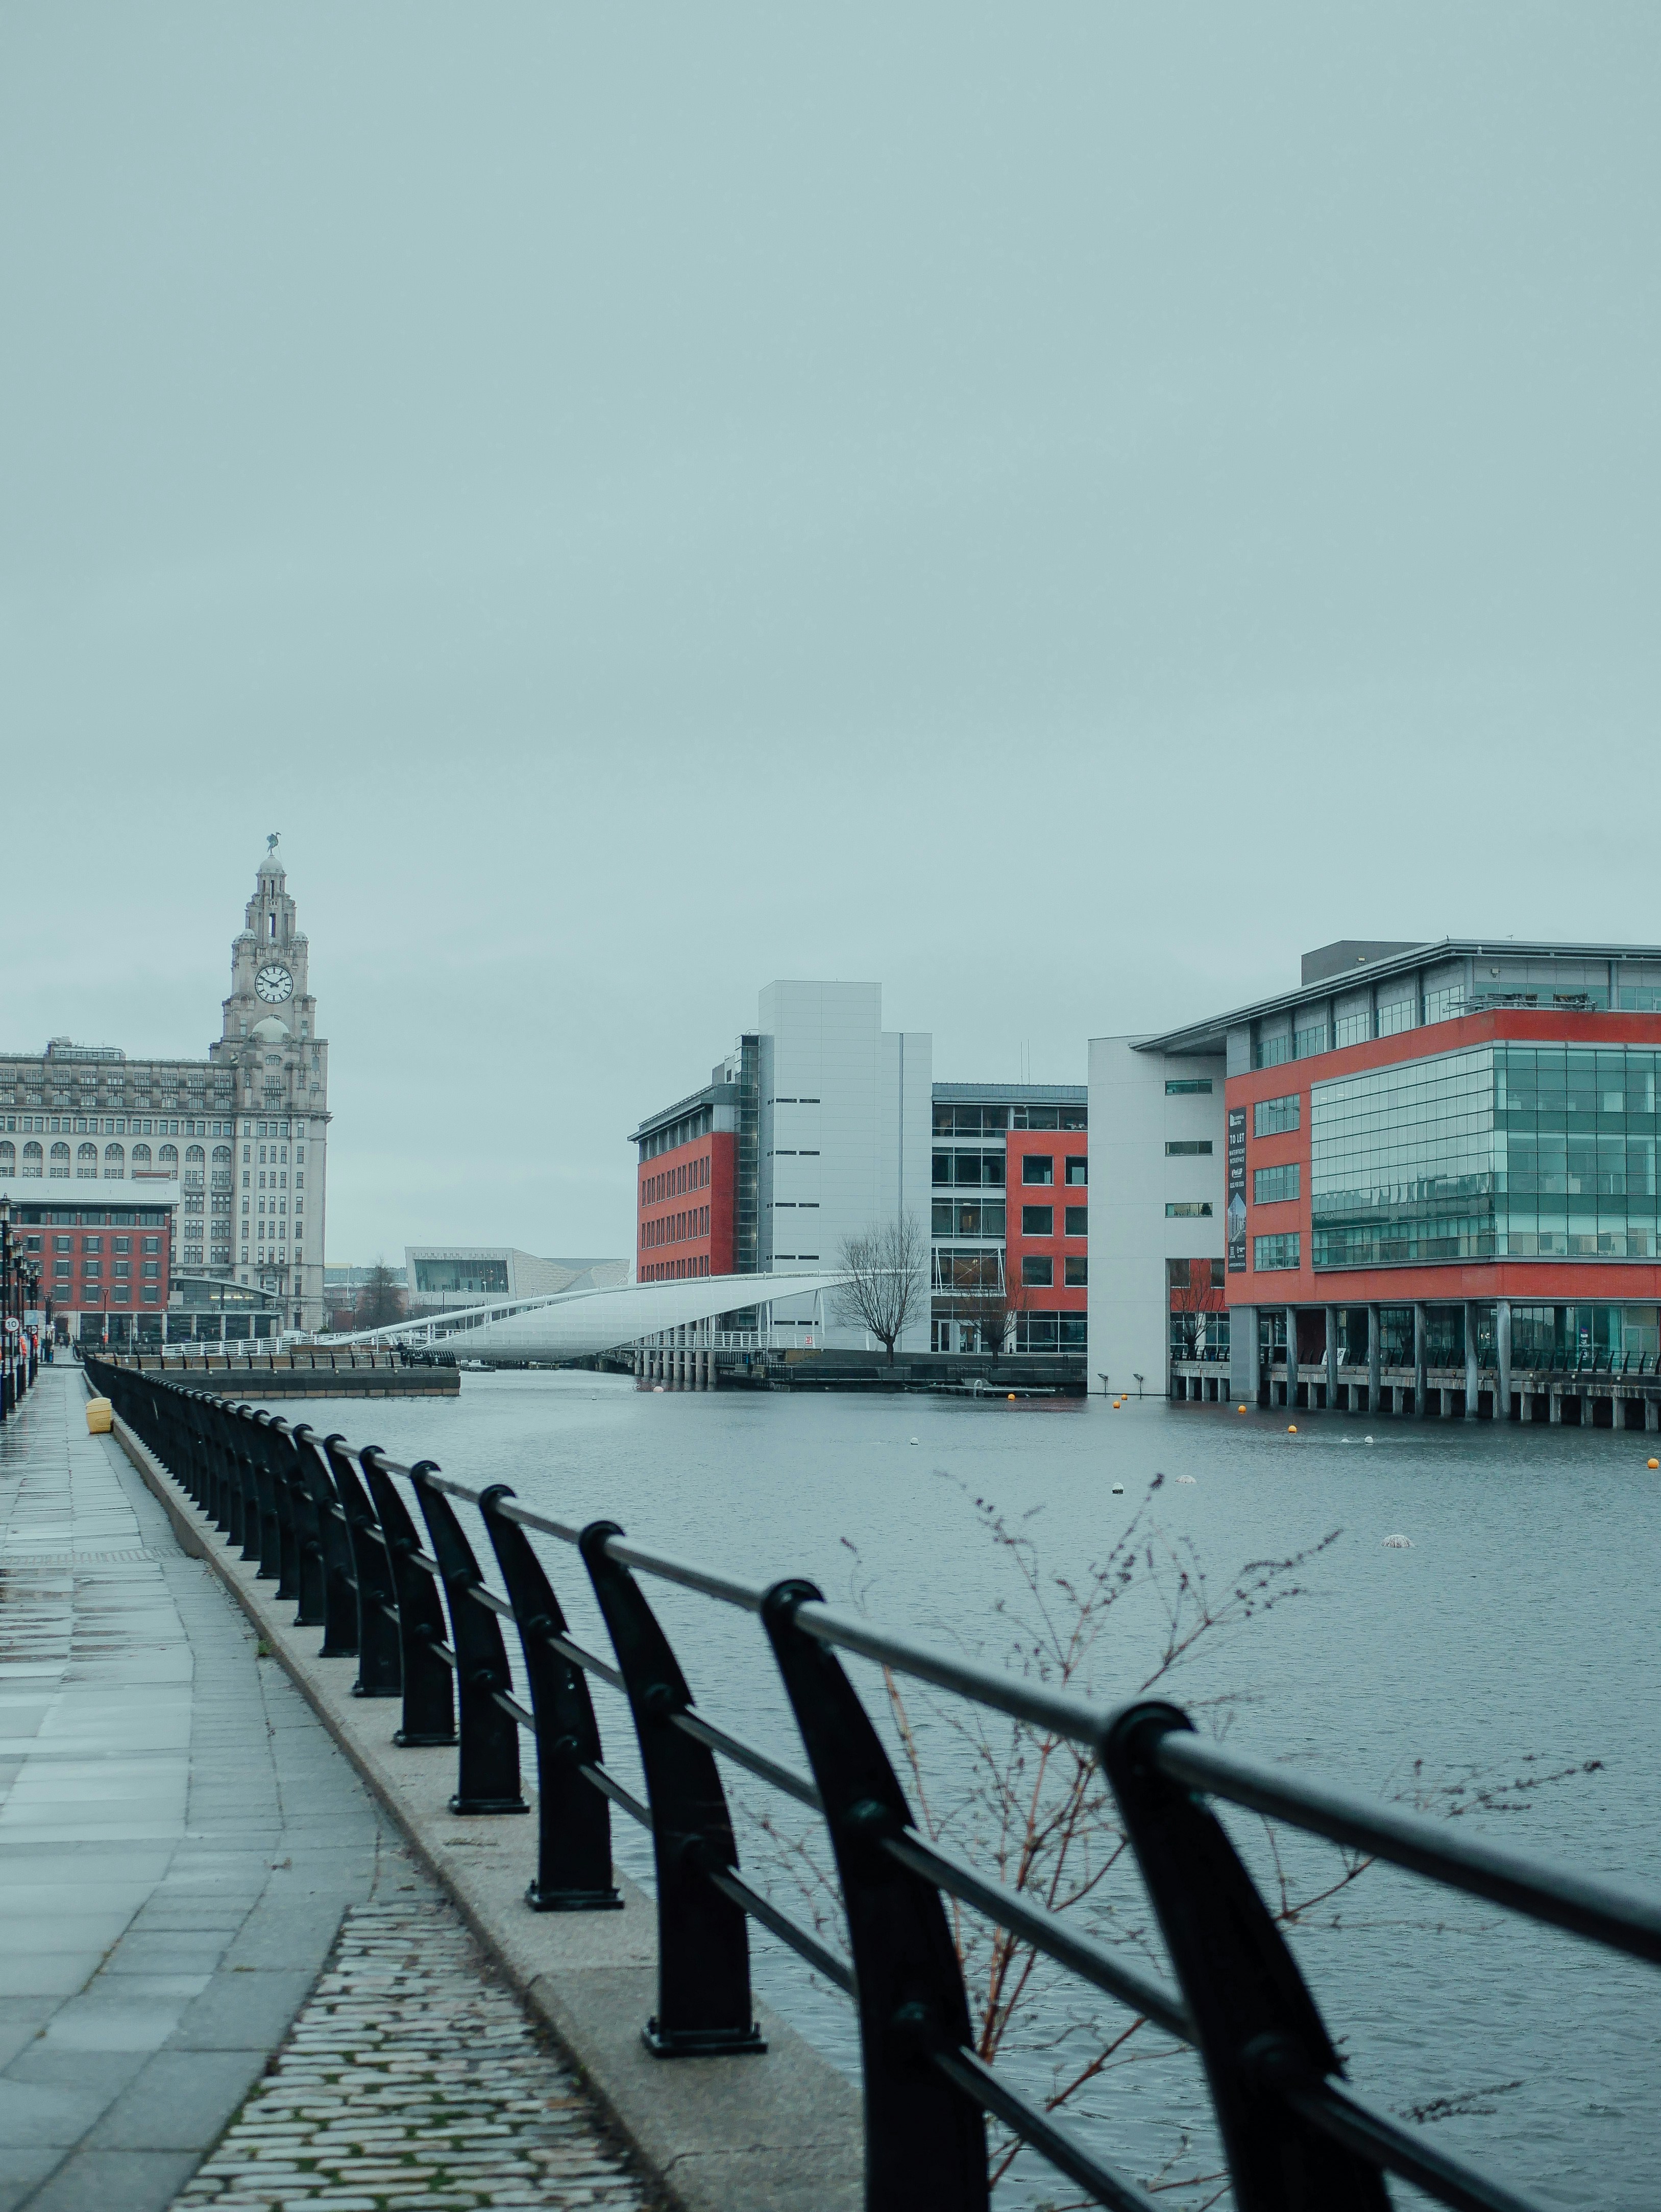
(243, 1134)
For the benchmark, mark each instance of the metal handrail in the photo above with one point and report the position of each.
(1238, 1998)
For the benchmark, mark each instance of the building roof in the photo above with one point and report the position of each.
(1012, 1094)
(1210, 1037)
(675, 1113)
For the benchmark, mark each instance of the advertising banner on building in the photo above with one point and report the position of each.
(1235, 1212)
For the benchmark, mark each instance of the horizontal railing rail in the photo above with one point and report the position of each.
(334, 1526)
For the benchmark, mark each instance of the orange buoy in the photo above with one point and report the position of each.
(1291, 1428)
(1239, 1409)
(1012, 1397)
(1655, 1462)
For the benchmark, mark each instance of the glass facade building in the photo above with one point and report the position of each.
(1501, 1152)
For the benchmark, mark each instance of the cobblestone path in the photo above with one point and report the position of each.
(411, 2077)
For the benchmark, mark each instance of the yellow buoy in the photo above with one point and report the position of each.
(1012, 1397)
(1239, 1409)
(1291, 1428)
(1655, 1462)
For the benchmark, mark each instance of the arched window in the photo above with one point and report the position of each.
(222, 1156)
(195, 1153)
(31, 1159)
(85, 1161)
(8, 1160)
(60, 1159)
(115, 1161)
(167, 1159)
(141, 1156)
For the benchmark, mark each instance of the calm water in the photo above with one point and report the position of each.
(1519, 1626)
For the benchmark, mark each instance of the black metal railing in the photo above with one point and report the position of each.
(332, 1528)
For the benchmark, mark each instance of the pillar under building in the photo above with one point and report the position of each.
(1420, 1359)
(1473, 1373)
(1332, 1359)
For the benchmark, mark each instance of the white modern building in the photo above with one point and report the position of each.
(437, 1276)
(815, 1129)
(1158, 1207)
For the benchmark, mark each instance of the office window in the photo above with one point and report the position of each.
(1078, 1169)
(1038, 1270)
(1270, 1185)
(1038, 1221)
(1273, 1117)
(1271, 1253)
(1184, 1086)
(1188, 1148)
(1404, 1014)
(1038, 1168)
(1445, 1005)
(1307, 1042)
(1188, 1209)
(1078, 1220)
(1271, 1051)
(1352, 1028)
(1077, 1272)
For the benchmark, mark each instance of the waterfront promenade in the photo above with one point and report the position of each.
(180, 1840)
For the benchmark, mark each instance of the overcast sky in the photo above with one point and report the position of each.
(1055, 509)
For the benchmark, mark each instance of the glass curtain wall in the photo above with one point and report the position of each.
(1518, 1151)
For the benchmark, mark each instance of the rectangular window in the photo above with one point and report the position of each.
(1186, 1086)
(1271, 1051)
(1270, 1253)
(1078, 1221)
(1038, 1168)
(1077, 1273)
(1305, 1043)
(1038, 1221)
(943, 1167)
(1352, 1028)
(1402, 1015)
(1271, 1185)
(1188, 1209)
(1445, 1005)
(1188, 1148)
(1273, 1117)
(1078, 1169)
(1038, 1269)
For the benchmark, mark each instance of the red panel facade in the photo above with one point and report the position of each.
(95, 1260)
(683, 1211)
(1546, 1279)
(1036, 1257)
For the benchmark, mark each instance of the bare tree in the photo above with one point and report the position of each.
(1196, 1299)
(886, 1278)
(380, 1298)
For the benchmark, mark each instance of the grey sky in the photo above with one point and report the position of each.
(1057, 510)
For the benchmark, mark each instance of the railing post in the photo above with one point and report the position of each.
(310, 1571)
(704, 2005)
(925, 2140)
(1258, 2030)
(430, 1705)
(379, 1674)
(488, 1777)
(267, 1534)
(574, 1820)
(340, 1589)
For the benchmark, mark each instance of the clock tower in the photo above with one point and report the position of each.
(270, 1037)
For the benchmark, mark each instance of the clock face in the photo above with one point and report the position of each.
(274, 983)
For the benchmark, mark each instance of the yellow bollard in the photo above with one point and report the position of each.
(99, 1414)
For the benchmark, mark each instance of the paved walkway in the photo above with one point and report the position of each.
(413, 2080)
(179, 1840)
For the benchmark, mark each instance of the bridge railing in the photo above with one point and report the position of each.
(334, 1527)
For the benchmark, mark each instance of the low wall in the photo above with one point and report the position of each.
(780, 2132)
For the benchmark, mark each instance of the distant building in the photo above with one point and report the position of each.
(217, 1146)
(1008, 1219)
(440, 1275)
(814, 1129)
(1419, 1148)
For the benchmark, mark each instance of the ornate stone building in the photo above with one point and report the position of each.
(240, 1138)
(279, 1070)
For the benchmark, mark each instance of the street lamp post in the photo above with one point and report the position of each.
(9, 1326)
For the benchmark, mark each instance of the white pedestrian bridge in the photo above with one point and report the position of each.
(575, 1324)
